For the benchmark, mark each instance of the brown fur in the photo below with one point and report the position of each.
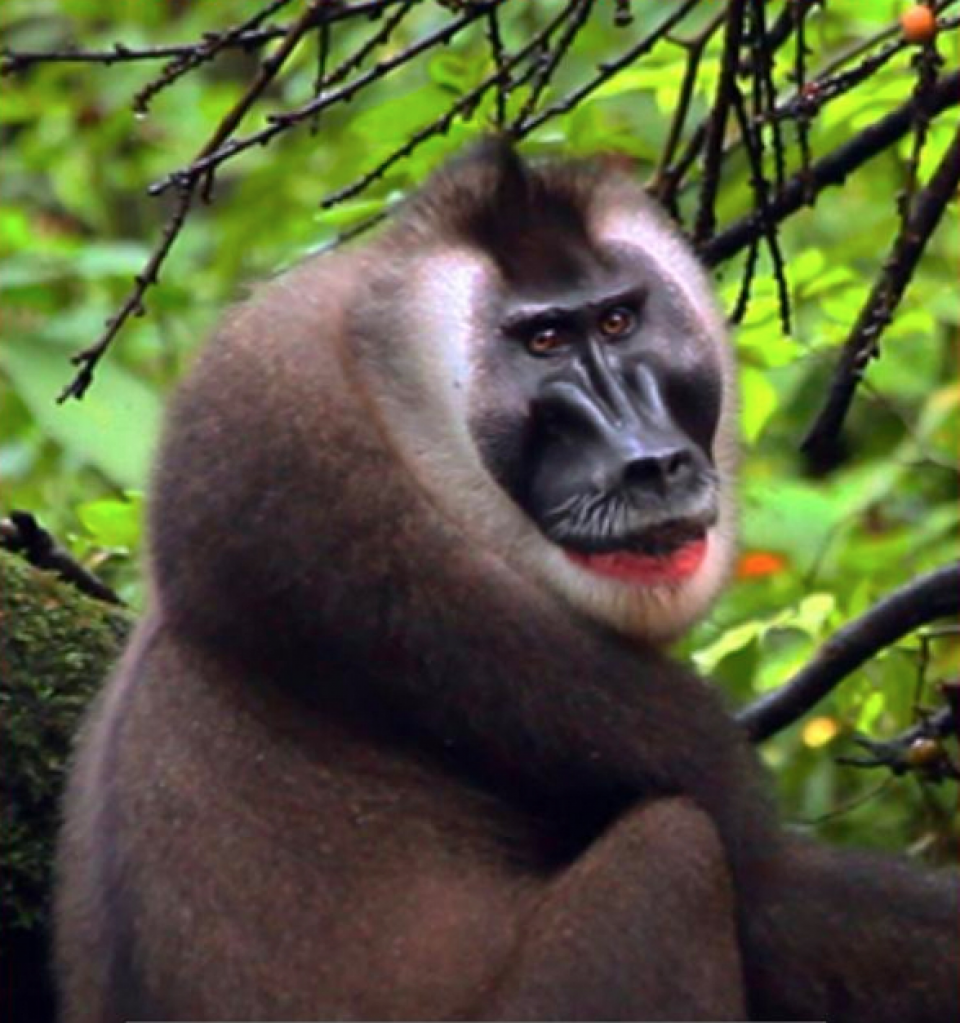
(357, 764)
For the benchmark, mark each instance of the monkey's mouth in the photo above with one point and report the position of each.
(670, 553)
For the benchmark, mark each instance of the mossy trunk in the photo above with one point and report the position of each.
(56, 645)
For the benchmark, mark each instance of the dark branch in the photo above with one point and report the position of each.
(607, 70)
(16, 61)
(578, 12)
(932, 596)
(205, 51)
(663, 185)
(832, 169)
(90, 357)
(862, 345)
(22, 534)
(717, 124)
(442, 123)
(278, 123)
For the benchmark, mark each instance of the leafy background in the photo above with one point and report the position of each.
(76, 224)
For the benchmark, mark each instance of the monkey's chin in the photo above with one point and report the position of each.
(634, 569)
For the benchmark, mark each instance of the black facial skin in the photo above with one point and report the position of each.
(608, 444)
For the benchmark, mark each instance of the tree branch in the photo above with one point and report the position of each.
(18, 61)
(717, 124)
(832, 169)
(932, 596)
(821, 442)
(211, 159)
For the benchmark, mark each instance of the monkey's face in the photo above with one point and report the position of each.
(577, 417)
(607, 406)
(598, 409)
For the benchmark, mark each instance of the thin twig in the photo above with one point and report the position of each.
(211, 45)
(610, 68)
(764, 94)
(663, 185)
(495, 40)
(761, 191)
(268, 70)
(808, 99)
(832, 169)
(717, 124)
(88, 359)
(442, 123)
(279, 123)
(577, 12)
(17, 61)
(356, 59)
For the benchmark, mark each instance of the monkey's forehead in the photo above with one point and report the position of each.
(627, 248)
(548, 224)
(523, 215)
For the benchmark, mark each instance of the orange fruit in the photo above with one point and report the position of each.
(919, 24)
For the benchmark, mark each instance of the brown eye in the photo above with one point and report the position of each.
(545, 341)
(617, 322)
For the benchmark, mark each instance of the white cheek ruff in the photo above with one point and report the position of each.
(443, 305)
(441, 371)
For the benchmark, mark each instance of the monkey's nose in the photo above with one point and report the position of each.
(663, 471)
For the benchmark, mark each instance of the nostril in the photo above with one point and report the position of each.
(659, 470)
(677, 463)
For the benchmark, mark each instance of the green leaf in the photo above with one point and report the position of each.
(791, 518)
(870, 712)
(113, 428)
(113, 522)
(758, 401)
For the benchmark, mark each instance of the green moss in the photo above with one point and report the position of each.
(56, 645)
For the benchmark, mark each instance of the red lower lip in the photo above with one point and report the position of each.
(645, 569)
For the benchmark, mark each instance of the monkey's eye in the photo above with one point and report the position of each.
(545, 341)
(617, 322)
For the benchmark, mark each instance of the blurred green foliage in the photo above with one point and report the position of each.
(76, 224)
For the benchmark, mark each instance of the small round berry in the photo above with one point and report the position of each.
(919, 24)
(924, 752)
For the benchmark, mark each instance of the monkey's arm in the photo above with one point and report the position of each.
(640, 927)
(853, 938)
